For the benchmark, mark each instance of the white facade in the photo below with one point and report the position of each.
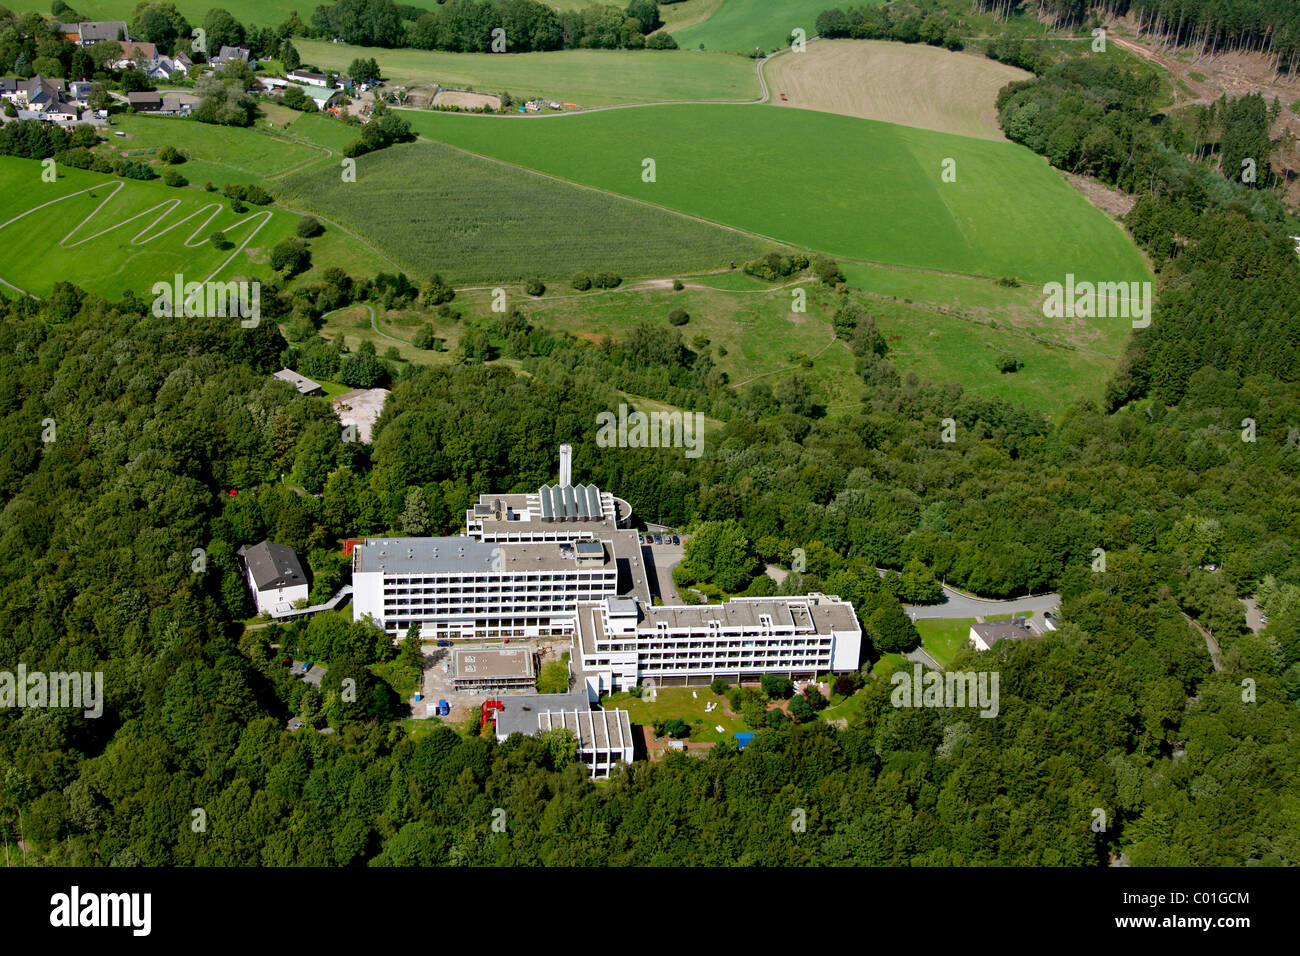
(268, 600)
(460, 589)
(623, 643)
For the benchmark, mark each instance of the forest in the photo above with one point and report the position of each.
(1121, 709)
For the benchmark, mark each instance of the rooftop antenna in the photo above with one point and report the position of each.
(566, 465)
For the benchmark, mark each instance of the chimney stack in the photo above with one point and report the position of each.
(566, 465)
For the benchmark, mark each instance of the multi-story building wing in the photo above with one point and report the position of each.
(623, 643)
(460, 587)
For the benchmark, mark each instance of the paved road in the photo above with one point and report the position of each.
(960, 604)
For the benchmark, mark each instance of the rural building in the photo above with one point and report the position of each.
(604, 736)
(274, 575)
(493, 670)
(94, 31)
(302, 383)
(309, 78)
(145, 101)
(79, 92)
(984, 636)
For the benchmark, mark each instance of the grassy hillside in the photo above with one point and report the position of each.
(853, 188)
(585, 77)
(125, 234)
(434, 209)
(218, 154)
(263, 13)
(745, 24)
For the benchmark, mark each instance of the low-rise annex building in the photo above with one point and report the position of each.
(275, 575)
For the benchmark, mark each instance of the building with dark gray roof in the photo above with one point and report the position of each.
(274, 574)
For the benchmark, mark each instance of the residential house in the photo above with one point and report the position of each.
(275, 575)
(79, 92)
(983, 636)
(166, 68)
(231, 53)
(9, 87)
(95, 31)
(133, 53)
(40, 92)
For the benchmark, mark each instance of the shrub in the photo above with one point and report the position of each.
(218, 239)
(606, 280)
(1008, 363)
(679, 316)
(581, 282)
(677, 285)
(814, 697)
(718, 686)
(426, 339)
(171, 155)
(535, 287)
(676, 727)
(777, 687)
(309, 227)
(172, 177)
(436, 292)
(290, 256)
(828, 270)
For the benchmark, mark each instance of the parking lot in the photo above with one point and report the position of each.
(660, 559)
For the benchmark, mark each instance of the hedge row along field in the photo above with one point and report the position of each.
(434, 209)
(853, 188)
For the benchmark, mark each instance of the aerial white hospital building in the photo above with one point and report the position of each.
(563, 561)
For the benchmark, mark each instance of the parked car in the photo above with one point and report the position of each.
(306, 666)
(443, 708)
(444, 643)
(659, 539)
(676, 540)
(287, 660)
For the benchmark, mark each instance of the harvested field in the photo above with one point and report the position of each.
(465, 100)
(905, 83)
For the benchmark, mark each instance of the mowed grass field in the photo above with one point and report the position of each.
(140, 234)
(907, 83)
(44, 248)
(741, 25)
(942, 639)
(435, 209)
(852, 188)
(586, 77)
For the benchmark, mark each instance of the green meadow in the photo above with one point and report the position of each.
(218, 154)
(852, 188)
(586, 77)
(741, 25)
(125, 234)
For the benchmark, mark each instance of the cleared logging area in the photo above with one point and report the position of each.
(435, 209)
(906, 83)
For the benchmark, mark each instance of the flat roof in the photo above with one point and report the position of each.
(595, 729)
(484, 663)
(521, 710)
(995, 631)
(462, 554)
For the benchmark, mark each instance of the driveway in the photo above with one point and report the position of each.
(959, 604)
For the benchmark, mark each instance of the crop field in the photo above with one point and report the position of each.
(741, 25)
(852, 188)
(586, 77)
(907, 83)
(217, 154)
(434, 209)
